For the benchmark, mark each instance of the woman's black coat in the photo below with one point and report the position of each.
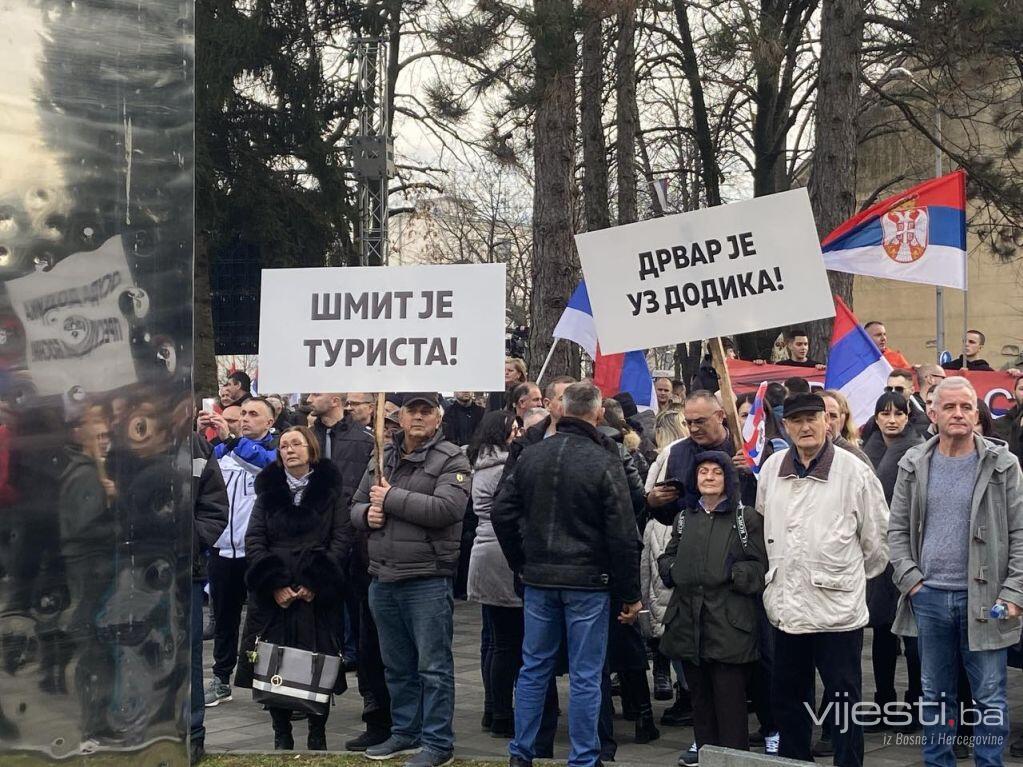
(305, 545)
(882, 595)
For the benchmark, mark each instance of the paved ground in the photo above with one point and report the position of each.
(242, 726)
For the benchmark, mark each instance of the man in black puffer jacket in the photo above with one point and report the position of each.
(566, 525)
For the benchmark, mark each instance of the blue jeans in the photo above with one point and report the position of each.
(943, 619)
(582, 618)
(198, 706)
(415, 626)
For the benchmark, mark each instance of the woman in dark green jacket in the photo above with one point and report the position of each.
(716, 562)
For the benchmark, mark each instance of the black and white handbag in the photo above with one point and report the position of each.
(298, 680)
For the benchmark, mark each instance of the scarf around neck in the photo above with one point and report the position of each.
(297, 486)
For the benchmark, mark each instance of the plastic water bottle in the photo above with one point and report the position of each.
(999, 612)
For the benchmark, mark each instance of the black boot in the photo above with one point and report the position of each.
(646, 730)
(372, 737)
(679, 713)
(503, 728)
(317, 738)
(283, 739)
(662, 678)
(284, 742)
(8, 729)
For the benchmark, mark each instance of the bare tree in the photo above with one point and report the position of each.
(555, 270)
(833, 174)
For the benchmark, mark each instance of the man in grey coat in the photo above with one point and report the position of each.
(414, 518)
(956, 542)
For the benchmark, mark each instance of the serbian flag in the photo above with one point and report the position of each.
(856, 366)
(917, 236)
(612, 373)
(754, 431)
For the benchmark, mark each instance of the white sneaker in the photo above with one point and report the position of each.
(771, 743)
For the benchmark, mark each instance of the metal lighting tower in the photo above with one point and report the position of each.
(373, 150)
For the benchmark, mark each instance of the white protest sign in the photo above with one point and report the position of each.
(76, 333)
(719, 271)
(391, 329)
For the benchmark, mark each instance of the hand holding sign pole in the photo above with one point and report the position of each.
(717, 355)
(378, 433)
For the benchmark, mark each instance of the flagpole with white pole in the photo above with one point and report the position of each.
(546, 362)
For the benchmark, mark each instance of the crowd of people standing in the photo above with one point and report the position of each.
(600, 541)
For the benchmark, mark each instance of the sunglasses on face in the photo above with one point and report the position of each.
(899, 389)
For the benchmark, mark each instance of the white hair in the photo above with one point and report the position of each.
(953, 383)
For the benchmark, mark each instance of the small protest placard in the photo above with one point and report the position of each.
(394, 329)
(76, 330)
(713, 272)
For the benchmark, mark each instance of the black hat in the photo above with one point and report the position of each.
(802, 403)
(428, 397)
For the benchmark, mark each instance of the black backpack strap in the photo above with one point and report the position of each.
(680, 523)
(740, 528)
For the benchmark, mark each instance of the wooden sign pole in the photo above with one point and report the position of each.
(378, 433)
(717, 355)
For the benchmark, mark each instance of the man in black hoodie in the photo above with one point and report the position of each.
(566, 526)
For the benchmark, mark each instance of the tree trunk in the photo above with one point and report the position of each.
(709, 170)
(776, 47)
(595, 173)
(555, 270)
(833, 174)
(626, 113)
(204, 372)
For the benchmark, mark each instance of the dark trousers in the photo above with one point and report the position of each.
(719, 703)
(502, 667)
(198, 706)
(350, 645)
(281, 718)
(227, 593)
(376, 701)
(486, 657)
(760, 675)
(836, 656)
(884, 653)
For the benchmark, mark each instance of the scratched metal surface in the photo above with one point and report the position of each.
(96, 177)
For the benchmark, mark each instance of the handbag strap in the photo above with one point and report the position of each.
(276, 659)
(317, 670)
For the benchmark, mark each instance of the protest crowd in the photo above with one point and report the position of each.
(647, 553)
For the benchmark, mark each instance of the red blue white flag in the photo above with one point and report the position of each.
(754, 431)
(612, 373)
(916, 236)
(856, 366)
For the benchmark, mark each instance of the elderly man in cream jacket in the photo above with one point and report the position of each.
(825, 526)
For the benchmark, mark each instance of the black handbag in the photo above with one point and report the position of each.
(297, 680)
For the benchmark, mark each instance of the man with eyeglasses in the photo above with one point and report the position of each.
(707, 431)
(901, 380)
(362, 406)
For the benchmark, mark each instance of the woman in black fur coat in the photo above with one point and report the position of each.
(298, 542)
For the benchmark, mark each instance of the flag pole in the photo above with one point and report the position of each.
(546, 362)
(717, 354)
(966, 323)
